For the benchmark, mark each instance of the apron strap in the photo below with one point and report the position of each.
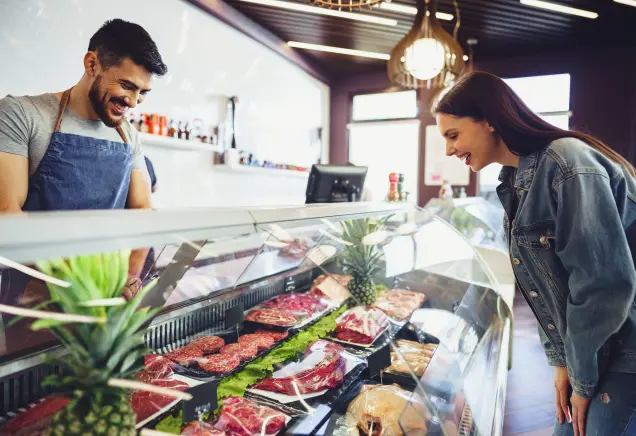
(64, 102)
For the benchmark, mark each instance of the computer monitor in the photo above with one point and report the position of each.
(335, 183)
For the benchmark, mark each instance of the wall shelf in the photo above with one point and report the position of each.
(262, 171)
(149, 140)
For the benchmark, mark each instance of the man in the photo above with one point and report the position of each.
(75, 150)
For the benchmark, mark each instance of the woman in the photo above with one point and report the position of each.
(570, 203)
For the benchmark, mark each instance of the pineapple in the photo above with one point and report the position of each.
(111, 348)
(360, 260)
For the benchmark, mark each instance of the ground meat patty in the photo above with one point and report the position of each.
(276, 336)
(260, 341)
(242, 351)
(209, 344)
(185, 356)
(272, 317)
(219, 363)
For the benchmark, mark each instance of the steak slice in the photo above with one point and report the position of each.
(261, 342)
(185, 355)
(304, 303)
(323, 367)
(242, 417)
(145, 404)
(156, 367)
(361, 325)
(276, 336)
(219, 363)
(195, 428)
(242, 351)
(209, 344)
(35, 420)
(272, 317)
(399, 304)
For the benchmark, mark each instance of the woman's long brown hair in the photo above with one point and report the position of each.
(485, 97)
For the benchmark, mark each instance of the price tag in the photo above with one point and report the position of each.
(203, 401)
(290, 284)
(379, 361)
(234, 316)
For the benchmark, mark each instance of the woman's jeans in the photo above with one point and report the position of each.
(612, 411)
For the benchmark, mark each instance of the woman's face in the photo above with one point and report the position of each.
(472, 141)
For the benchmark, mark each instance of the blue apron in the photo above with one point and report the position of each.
(77, 172)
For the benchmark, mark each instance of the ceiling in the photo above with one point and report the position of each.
(502, 27)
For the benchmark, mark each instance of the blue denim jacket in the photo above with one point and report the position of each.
(571, 256)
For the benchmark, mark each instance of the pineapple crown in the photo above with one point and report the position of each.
(112, 347)
(360, 259)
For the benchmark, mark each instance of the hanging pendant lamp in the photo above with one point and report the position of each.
(428, 56)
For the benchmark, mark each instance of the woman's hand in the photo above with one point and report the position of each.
(561, 388)
(579, 412)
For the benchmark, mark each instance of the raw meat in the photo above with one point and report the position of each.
(209, 344)
(272, 317)
(196, 428)
(155, 367)
(323, 367)
(242, 417)
(331, 287)
(185, 355)
(276, 336)
(303, 303)
(261, 342)
(361, 325)
(409, 356)
(219, 363)
(242, 351)
(398, 303)
(35, 420)
(383, 407)
(145, 404)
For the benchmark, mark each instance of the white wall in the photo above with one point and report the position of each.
(42, 43)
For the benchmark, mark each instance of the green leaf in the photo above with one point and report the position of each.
(48, 323)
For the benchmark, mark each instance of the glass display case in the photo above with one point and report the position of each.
(330, 317)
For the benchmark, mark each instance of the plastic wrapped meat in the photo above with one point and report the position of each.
(380, 409)
(242, 417)
(35, 420)
(272, 317)
(196, 428)
(409, 356)
(361, 325)
(398, 303)
(331, 287)
(323, 367)
(303, 303)
(155, 367)
(145, 404)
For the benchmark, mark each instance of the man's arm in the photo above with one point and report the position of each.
(138, 198)
(14, 182)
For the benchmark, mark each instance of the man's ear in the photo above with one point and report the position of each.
(91, 63)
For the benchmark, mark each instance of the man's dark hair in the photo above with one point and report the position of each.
(118, 39)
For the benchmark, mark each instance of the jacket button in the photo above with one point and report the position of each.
(543, 240)
(516, 261)
(551, 326)
(534, 294)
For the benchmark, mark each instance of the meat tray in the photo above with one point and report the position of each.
(381, 334)
(299, 318)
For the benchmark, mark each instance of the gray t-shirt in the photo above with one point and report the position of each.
(27, 123)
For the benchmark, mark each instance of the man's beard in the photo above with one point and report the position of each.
(100, 105)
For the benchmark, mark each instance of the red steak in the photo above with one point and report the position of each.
(323, 367)
(242, 417)
(361, 325)
(185, 355)
(146, 404)
(303, 303)
(35, 420)
(219, 363)
(276, 336)
(155, 367)
(196, 428)
(261, 342)
(209, 344)
(272, 317)
(399, 304)
(242, 351)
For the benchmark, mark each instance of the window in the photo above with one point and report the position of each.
(390, 145)
(549, 97)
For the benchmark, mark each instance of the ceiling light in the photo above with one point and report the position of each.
(339, 50)
(412, 10)
(627, 2)
(560, 8)
(322, 11)
(466, 58)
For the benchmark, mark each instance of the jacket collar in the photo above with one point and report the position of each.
(524, 174)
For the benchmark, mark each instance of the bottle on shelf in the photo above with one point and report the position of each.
(400, 187)
(462, 192)
(393, 182)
